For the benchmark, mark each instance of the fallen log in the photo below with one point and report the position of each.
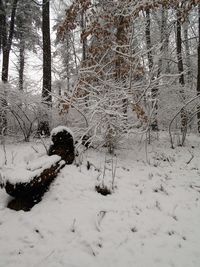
(62, 144)
(28, 184)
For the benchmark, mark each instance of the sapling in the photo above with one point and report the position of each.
(43, 143)
(114, 168)
(73, 226)
(4, 145)
(13, 154)
(102, 188)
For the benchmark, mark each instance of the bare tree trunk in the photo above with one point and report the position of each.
(83, 27)
(43, 128)
(163, 40)
(21, 58)
(46, 90)
(148, 39)
(154, 90)
(179, 48)
(6, 42)
(187, 51)
(21, 65)
(68, 62)
(198, 73)
(121, 71)
(1, 23)
(181, 73)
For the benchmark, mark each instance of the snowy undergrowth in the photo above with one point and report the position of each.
(151, 219)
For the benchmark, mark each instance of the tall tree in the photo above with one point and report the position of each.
(198, 70)
(6, 43)
(7, 39)
(46, 89)
(28, 23)
(148, 39)
(184, 117)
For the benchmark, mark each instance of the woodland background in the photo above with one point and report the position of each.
(108, 69)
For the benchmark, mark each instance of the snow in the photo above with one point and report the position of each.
(41, 162)
(61, 129)
(24, 174)
(151, 219)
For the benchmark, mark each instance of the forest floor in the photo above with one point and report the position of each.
(152, 218)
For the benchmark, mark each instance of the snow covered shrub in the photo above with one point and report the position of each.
(62, 144)
(101, 187)
(22, 111)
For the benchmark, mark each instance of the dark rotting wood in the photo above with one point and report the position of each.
(27, 194)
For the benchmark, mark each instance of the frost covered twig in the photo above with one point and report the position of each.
(100, 217)
(114, 168)
(175, 116)
(191, 158)
(42, 140)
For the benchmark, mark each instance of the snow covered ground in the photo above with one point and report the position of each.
(152, 219)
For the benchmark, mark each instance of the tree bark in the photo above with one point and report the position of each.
(164, 40)
(6, 42)
(21, 64)
(179, 48)
(154, 90)
(21, 57)
(46, 90)
(1, 23)
(184, 117)
(198, 69)
(187, 52)
(43, 127)
(148, 39)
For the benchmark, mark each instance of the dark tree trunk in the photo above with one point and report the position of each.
(6, 42)
(43, 127)
(46, 90)
(187, 52)
(184, 118)
(154, 90)
(21, 64)
(163, 40)
(21, 56)
(148, 39)
(1, 23)
(121, 70)
(179, 49)
(198, 74)
(83, 27)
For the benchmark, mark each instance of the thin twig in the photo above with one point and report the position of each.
(191, 158)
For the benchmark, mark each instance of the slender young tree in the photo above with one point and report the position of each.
(26, 35)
